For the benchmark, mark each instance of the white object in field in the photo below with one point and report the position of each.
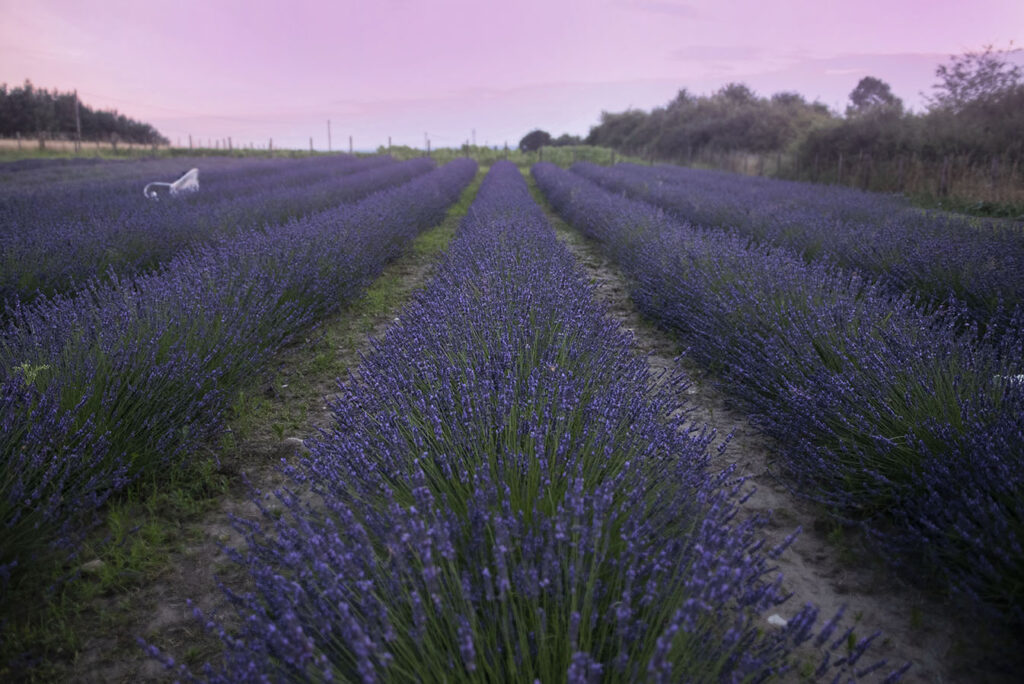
(187, 183)
(777, 621)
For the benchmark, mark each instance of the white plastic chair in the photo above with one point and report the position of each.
(187, 183)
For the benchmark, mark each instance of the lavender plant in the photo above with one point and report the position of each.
(504, 497)
(54, 237)
(936, 254)
(903, 420)
(128, 376)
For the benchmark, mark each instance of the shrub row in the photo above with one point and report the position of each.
(56, 237)
(905, 422)
(936, 254)
(127, 377)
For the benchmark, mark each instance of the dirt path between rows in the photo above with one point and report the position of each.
(822, 566)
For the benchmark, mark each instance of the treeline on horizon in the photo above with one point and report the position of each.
(969, 133)
(30, 112)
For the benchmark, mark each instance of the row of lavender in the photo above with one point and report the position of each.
(980, 263)
(101, 194)
(128, 376)
(53, 238)
(900, 420)
(28, 175)
(505, 498)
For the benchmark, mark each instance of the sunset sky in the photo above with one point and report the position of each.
(258, 69)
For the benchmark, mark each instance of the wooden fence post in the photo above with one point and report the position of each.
(944, 177)
(865, 173)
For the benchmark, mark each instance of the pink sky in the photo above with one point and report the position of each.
(258, 69)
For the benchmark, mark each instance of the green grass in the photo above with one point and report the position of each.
(485, 156)
(969, 206)
(140, 533)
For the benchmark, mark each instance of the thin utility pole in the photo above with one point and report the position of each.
(350, 144)
(328, 135)
(78, 125)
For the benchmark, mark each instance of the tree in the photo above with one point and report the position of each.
(567, 139)
(737, 94)
(975, 77)
(871, 94)
(27, 110)
(534, 140)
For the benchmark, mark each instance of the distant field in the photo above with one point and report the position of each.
(13, 150)
(67, 146)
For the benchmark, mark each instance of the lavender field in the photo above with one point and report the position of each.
(500, 482)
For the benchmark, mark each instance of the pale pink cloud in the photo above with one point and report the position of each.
(257, 69)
